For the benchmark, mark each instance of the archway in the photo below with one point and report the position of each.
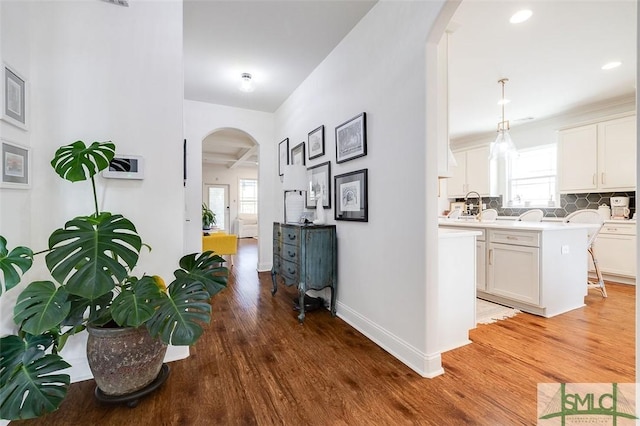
(230, 180)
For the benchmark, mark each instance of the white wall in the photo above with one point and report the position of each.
(102, 72)
(202, 119)
(214, 174)
(378, 68)
(545, 131)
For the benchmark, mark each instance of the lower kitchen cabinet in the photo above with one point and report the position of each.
(514, 272)
(538, 268)
(615, 249)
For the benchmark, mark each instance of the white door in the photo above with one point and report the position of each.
(218, 201)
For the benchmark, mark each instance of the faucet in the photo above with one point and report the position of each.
(466, 197)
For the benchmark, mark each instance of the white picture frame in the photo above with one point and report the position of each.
(15, 165)
(15, 93)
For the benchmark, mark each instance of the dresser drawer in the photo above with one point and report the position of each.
(622, 229)
(286, 234)
(290, 252)
(289, 269)
(518, 238)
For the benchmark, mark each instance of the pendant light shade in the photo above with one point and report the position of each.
(503, 145)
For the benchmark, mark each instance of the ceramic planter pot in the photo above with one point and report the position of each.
(123, 360)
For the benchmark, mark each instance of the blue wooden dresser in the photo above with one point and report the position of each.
(305, 255)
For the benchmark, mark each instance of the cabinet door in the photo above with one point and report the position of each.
(577, 159)
(514, 272)
(617, 154)
(478, 171)
(481, 262)
(616, 254)
(457, 183)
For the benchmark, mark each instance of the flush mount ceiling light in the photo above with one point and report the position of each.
(247, 84)
(611, 65)
(520, 16)
(503, 145)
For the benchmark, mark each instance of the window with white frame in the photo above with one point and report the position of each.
(531, 177)
(248, 196)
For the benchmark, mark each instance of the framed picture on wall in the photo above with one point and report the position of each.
(15, 167)
(351, 196)
(283, 155)
(351, 139)
(315, 143)
(319, 178)
(14, 97)
(297, 154)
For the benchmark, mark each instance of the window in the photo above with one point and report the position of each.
(248, 196)
(531, 177)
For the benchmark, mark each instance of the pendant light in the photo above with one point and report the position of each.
(503, 145)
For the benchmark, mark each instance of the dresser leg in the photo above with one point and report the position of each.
(333, 302)
(275, 283)
(301, 304)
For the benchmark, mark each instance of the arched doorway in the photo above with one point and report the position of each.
(230, 179)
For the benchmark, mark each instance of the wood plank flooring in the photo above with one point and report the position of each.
(256, 366)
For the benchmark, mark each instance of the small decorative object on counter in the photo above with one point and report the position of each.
(605, 212)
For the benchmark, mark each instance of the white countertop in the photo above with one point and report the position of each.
(508, 224)
(560, 219)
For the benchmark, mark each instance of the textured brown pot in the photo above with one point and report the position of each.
(123, 360)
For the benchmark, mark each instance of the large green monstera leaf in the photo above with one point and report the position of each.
(41, 307)
(205, 268)
(76, 162)
(90, 252)
(177, 318)
(136, 304)
(20, 258)
(30, 384)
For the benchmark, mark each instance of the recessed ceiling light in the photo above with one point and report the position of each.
(503, 101)
(611, 65)
(520, 16)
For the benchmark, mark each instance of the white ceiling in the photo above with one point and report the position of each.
(552, 61)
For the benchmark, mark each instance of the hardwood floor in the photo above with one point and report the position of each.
(256, 366)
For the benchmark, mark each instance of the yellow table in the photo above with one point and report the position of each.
(221, 243)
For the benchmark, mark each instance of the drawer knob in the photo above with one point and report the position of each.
(291, 271)
(292, 237)
(291, 253)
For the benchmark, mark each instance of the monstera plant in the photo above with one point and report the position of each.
(91, 260)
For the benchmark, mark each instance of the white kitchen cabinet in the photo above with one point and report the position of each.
(481, 262)
(615, 249)
(473, 173)
(514, 272)
(598, 157)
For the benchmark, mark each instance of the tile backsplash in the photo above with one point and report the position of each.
(569, 203)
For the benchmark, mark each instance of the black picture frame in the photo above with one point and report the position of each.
(351, 138)
(315, 143)
(319, 175)
(297, 154)
(283, 155)
(351, 196)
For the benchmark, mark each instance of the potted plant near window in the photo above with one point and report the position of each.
(208, 217)
(91, 261)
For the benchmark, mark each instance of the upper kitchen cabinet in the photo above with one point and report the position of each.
(598, 157)
(473, 173)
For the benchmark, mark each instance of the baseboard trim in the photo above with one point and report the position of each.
(265, 267)
(426, 365)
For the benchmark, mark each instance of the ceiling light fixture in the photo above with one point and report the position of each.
(520, 16)
(503, 145)
(611, 65)
(247, 84)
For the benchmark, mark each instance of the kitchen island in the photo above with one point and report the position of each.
(537, 267)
